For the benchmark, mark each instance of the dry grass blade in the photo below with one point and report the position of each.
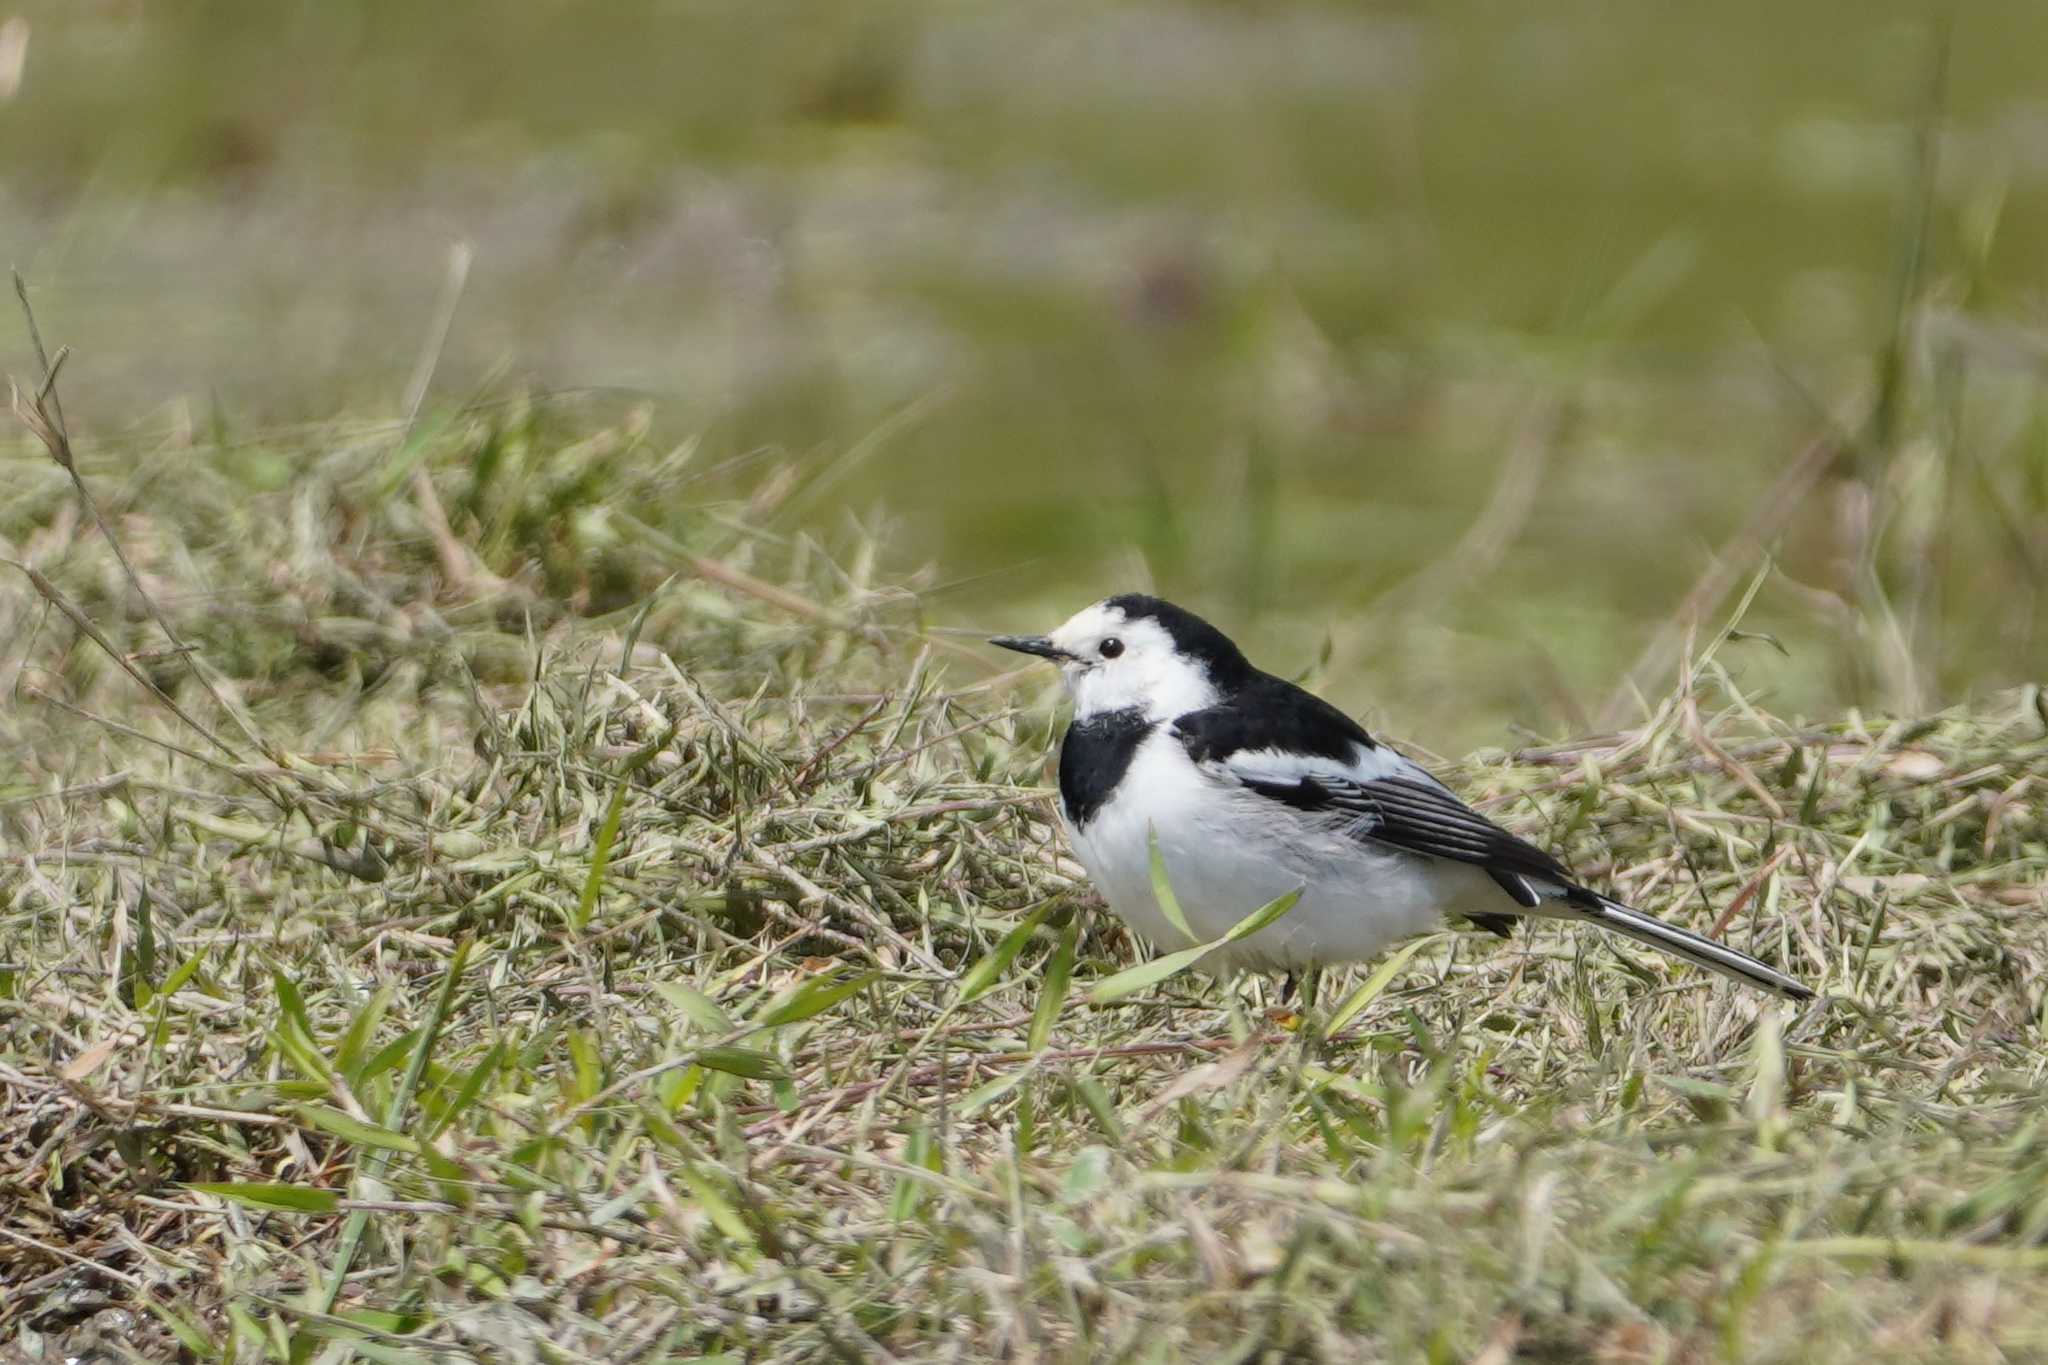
(50, 593)
(44, 417)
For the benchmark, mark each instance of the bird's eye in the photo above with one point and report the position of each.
(1112, 647)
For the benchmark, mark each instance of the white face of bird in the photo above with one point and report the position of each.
(1113, 663)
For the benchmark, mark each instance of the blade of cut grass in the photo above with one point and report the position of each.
(698, 1007)
(353, 1130)
(1162, 888)
(272, 1195)
(1369, 989)
(1134, 979)
(631, 639)
(1052, 992)
(985, 973)
(294, 1036)
(349, 1052)
(608, 833)
(742, 1061)
(811, 998)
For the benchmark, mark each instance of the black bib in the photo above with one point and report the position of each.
(1094, 757)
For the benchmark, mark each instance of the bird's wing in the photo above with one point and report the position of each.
(1380, 796)
(1288, 746)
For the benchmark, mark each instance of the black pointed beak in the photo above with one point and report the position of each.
(1031, 644)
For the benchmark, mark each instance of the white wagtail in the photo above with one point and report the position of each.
(1254, 788)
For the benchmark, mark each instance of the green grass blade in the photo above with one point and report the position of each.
(631, 638)
(989, 1092)
(716, 1206)
(263, 1194)
(811, 998)
(1134, 979)
(1260, 918)
(741, 1061)
(349, 1128)
(1162, 889)
(1369, 990)
(181, 975)
(138, 966)
(984, 974)
(381, 1354)
(304, 1057)
(1131, 980)
(189, 1334)
(608, 833)
(698, 1007)
(1052, 992)
(294, 1036)
(1100, 1107)
(909, 1192)
(349, 1052)
(472, 1086)
(601, 855)
(387, 1057)
(586, 1061)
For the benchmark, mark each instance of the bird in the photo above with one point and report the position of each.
(1252, 788)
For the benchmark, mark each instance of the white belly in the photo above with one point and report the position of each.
(1229, 851)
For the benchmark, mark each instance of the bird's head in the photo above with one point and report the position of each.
(1134, 652)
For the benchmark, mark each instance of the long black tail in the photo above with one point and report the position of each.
(1701, 952)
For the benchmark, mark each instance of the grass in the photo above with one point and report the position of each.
(592, 925)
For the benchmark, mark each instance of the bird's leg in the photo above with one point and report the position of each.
(1307, 1022)
(1300, 1015)
(1311, 1017)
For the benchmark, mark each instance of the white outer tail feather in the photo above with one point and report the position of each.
(1683, 943)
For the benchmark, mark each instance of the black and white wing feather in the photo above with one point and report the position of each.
(1412, 812)
(1290, 746)
(1297, 749)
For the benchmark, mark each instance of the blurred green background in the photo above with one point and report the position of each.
(1440, 351)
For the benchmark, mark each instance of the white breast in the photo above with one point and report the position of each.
(1228, 851)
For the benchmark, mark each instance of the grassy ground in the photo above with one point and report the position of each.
(577, 923)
